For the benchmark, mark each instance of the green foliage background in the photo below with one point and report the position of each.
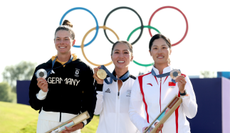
(5, 92)
(21, 71)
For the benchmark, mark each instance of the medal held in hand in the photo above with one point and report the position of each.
(41, 73)
(101, 74)
(175, 73)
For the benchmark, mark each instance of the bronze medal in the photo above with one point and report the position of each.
(175, 73)
(101, 74)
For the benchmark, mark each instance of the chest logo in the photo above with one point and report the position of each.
(149, 84)
(76, 74)
(108, 91)
(128, 93)
(52, 72)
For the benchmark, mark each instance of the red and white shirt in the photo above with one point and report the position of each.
(150, 95)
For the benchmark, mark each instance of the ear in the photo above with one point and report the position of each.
(170, 51)
(150, 53)
(131, 58)
(73, 42)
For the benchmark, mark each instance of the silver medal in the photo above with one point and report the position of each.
(41, 73)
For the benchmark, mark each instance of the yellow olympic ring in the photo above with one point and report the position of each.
(82, 44)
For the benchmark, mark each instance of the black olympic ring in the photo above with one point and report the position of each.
(124, 7)
(141, 27)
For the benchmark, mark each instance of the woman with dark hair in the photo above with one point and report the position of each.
(113, 98)
(152, 92)
(67, 90)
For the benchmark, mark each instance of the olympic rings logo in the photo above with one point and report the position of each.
(107, 28)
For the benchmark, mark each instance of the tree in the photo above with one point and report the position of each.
(208, 74)
(5, 92)
(22, 71)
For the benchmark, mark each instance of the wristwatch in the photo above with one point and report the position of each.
(183, 94)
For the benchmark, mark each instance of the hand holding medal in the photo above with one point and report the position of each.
(41, 74)
(101, 72)
(175, 74)
(99, 75)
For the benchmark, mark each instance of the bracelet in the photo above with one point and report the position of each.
(183, 94)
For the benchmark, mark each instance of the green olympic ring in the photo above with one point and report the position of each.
(150, 27)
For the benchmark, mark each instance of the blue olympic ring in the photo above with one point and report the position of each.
(97, 27)
(141, 27)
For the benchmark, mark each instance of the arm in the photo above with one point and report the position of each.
(34, 94)
(89, 96)
(41, 95)
(189, 104)
(99, 103)
(99, 89)
(136, 110)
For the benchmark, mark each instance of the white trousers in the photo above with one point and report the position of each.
(49, 120)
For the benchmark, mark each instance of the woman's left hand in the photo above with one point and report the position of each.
(73, 128)
(99, 81)
(181, 83)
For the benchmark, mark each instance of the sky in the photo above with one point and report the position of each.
(27, 31)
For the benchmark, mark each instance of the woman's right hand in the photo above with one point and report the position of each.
(99, 81)
(42, 84)
(151, 128)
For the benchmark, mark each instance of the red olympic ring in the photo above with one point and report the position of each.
(186, 31)
(141, 27)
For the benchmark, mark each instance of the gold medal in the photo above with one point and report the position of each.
(101, 74)
(175, 73)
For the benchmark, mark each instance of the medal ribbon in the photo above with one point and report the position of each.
(162, 75)
(49, 72)
(112, 77)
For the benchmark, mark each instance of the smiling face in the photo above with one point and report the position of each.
(160, 52)
(121, 56)
(63, 42)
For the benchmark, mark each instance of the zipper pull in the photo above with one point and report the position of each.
(118, 94)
